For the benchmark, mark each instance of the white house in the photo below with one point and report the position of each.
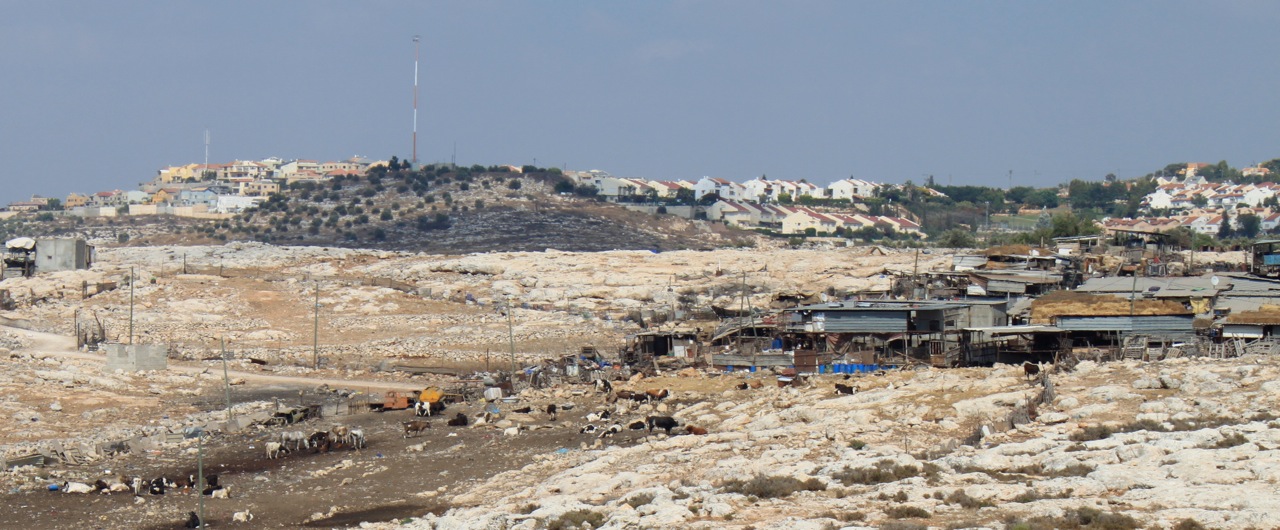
(803, 218)
(725, 188)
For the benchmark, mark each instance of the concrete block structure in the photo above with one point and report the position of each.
(136, 357)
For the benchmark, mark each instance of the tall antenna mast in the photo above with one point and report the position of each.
(206, 154)
(415, 100)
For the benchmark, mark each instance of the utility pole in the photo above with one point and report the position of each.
(132, 279)
(511, 336)
(200, 474)
(315, 333)
(226, 378)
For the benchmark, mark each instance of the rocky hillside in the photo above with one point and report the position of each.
(439, 210)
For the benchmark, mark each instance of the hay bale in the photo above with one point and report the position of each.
(1071, 303)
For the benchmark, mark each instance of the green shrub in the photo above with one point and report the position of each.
(883, 472)
(769, 487)
(573, 520)
(959, 497)
(907, 512)
(1231, 440)
(1092, 432)
(1188, 524)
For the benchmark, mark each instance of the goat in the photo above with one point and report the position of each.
(1031, 370)
(319, 441)
(339, 435)
(209, 480)
(183, 483)
(423, 408)
(843, 389)
(137, 484)
(523, 410)
(603, 386)
(76, 487)
(512, 431)
(221, 492)
(636, 425)
(598, 416)
(275, 450)
(743, 386)
(193, 520)
(587, 429)
(612, 430)
(665, 423)
(242, 517)
(157, 487)
(356, 439)
(415, 427)
(458, 421)
(297, 438)
(623, 394)
(551, 411)
(699, 431)
(100, 486)
(116, 485)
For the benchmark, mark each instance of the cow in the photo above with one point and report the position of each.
(843, 389)
(656, 395)
(1031, 370)
(699, 431)
(297, 439)
(275, 450)
(193, 520)
(458, 421)
(415, 427)
(665, 423)
(319, 441)
(551, 411)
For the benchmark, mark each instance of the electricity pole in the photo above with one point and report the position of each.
(315, 333)
(511, 336)
(226, 379)
(132, 279)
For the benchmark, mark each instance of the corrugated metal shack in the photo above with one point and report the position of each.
(985, 346)
(888, 331)
(1096, 329)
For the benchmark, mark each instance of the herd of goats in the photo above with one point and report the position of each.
(602, 423)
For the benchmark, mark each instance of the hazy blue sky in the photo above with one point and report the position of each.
(99, 95)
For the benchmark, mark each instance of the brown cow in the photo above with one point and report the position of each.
(415, 427)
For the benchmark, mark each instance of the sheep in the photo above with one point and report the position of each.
(76, 487)
(275, 450)
(242, 517)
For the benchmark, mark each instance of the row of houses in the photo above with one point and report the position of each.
(275, 169)
(759, 190)
(1195, 192)
(800, 219)
(1199, 220)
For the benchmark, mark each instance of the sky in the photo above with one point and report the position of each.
(100, 95)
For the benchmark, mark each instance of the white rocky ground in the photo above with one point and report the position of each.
(1206, 450)
(1221, 472)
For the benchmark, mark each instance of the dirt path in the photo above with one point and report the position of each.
(64, 346)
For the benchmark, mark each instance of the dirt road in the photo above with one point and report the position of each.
(64, 346)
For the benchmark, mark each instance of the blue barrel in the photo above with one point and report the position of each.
(752, 369)
(822, 368)
(840, 369)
